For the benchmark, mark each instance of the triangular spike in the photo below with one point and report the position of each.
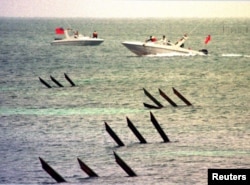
(124, 166)
(152, 98)
(182, 97)
(135, 131)
(56, 82)
(69, 80)
(44, 83)
(86, 169)
(113, 135)
(51, 171)
(158, 128)
(151, 106)
(167, 98)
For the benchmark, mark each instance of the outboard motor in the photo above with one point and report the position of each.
(205, 51)
(58, 38)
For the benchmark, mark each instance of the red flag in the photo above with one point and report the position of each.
(59, 30)
(208, 38)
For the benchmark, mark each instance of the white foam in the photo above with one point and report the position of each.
(232, 55)
(171, 54)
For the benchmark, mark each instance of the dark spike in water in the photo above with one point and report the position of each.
(135, 131)
(86, 169)
(56, 82)
(151, 106)
(158, 128)
(124, 166)
(167, 98)
(152, 98)
(51, 171)
(113, 135)
(44, 83)
(182, 97)
(69, 80)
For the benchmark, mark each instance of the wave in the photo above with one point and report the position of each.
(234, 55)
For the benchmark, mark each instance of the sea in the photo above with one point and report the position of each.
(61, 124)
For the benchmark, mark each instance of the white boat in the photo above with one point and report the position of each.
(75, 39)
(162, 47)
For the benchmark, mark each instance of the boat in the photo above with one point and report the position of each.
(75, 39)
(154, 47)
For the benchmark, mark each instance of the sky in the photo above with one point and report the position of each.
(125, 8)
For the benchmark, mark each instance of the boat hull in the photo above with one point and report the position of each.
(77, 42)
(140, 48)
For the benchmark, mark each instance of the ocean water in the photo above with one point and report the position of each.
(63, 124)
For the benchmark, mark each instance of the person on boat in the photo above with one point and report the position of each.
(169, 43)
(95, 34)
(164, 40)
(151, 39)
(76, 34)
(181, 41)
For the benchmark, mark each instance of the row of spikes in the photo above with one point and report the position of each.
(56, 82)
(136, 132)
(159, 105)
(58, 178)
